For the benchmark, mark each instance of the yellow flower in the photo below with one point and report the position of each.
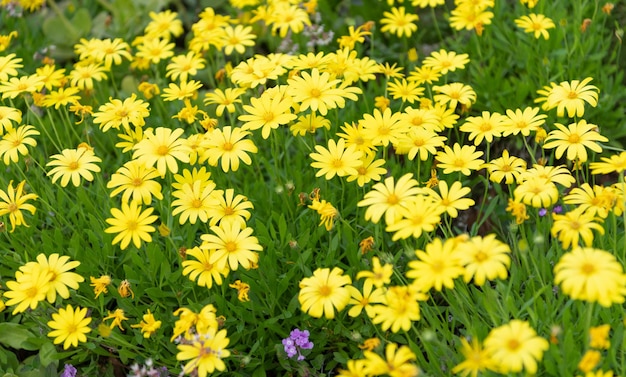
(419, 214)
(111, 51)
(24, 84)
(324, 292)
(232, 245)
(336, 160)
(183, 66)
(451, 199)
(455, 93)
(518, 210)
(225, 207)
(118, 113)
(591, 275)
(8, 115)
(268, 112)
(28, 289)
(202, 269)
(599, 337)
(459, 158)
(515, 346)
(369, 170)
(613, 164)
(484, 258)
(437, 266)
(574, 139)
(180, 92)
(285, 17)
(596, 200)
(83, 75)
(507, 168)
(124, 289)
(224, 99)
(319, 91)
(399, 309)
(309, 123)
(100, 284)
(69, 326)
(230, 146)
(131, 224)
(9, 65)
(117, 316)
(399, 22)
(522, 121)
(74, 164)
(536, 192)
(443, 61)
(164, 24)
(386, 198)
(136, 181)
(379, 275)
(589, 361)
(469, 17)
(149, 325)
(193, 202)
(205, 353)
(575, 225)
(397, 362)
(237, 38)
(327, 213)
(162, 148)
(407, 91)
(242, 290)
(384, 127)
(13, 202)
(537, 24)
(154, 49)
(571, 96)
(477, 359)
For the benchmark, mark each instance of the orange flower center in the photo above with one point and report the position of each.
(392, 199)
(227, 146)
(196, 203)
(574, 138)
(587, 269)
(325, 291)
(230, 246)
(72, 165)
(163, 150)
(513, 344)
(315, 93)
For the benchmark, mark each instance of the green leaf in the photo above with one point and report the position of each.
(48, 354)
(16, 336)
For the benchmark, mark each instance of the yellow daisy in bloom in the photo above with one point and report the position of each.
(354, 36)
(324, 293)
(162, 148)
(536, 192)
(58, 270)
(319, 91)
(437, 266)
(455, 93)
(522, 121)
(131, 224)
(363, 300)
(397, 362)
(419, 141)
(183, 66)
(380, 275)
(237, 38)
(14, 201)
(470, 17)
(383, 127)
(445, 61)
(537, 24)
(517, 209)
(204, 352)
(61, 97)
(267, 112)
(201, 269)
(613, 164)
(400, 308)
(589, 361)
(407, 91)
(24, 84)
(224, 99)
(555, 174)
(591, 275)
(370, 170)
(28, 289)
(355, 368)
(336, 159)
(309, 124)
(484, 127)
(571, 96)
(224, 206)
(233, 246)
(423, 75)
(386, 198)
(74, 164)
(516, 346)
(418, 215)
(427, 3)
(355, 134)
(193, 202)
(153, 50)
(477, 359)
(148, 325)
(596, 200)
(459, 158)
(451, 199)
(230, 146)
(14, 143)
(69, 326)
(574, 226)
(163, 25)
(9, 65)
(285, 17)
(118, 113)
(117, 316)
(83, 75)
(8, 115)
(111, 51)
(506, 168)
(575, 139)
(484, 258)
(399, 22)
(182, 91)
(135, 180)
(328, 213)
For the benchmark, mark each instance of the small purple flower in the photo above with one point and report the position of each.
(557, 209)
(542, 212)
(296, 341)
(69, 371)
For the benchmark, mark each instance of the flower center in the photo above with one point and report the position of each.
(163, 150)
(230, 246)
(513, 344)
(587, 269)
(325, 291)
(227, 146)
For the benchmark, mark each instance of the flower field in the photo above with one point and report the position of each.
(312, 188)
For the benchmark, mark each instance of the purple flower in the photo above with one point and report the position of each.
(557, 209)
(542, 212)
(69, 371)
(296, 341)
